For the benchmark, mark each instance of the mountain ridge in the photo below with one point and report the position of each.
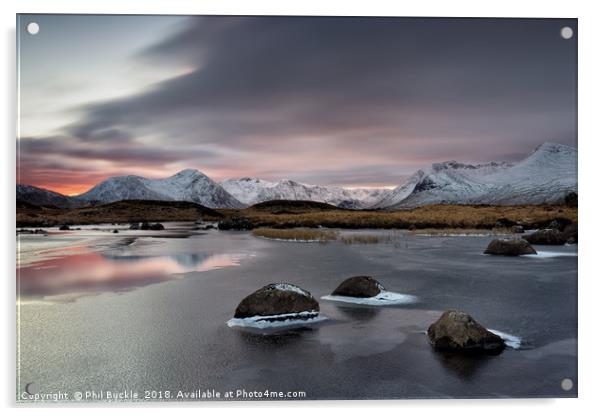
(544, 176)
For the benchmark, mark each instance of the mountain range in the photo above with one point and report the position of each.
(547, 175)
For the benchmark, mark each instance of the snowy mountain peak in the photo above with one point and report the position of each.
(253, 190)
(186, 185)
(554, 148)
(187, 173)
(545, 176)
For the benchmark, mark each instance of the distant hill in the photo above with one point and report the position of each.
(120, 212)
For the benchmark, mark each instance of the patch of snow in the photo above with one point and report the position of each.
(287, 287)
(382, 299)
(277, 321)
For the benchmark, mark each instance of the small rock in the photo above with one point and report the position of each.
(156, 227)
(359, 287)
(115, 231)
(517, 229)
(64, 227)
(546, 237)
(277, 299)
(504, 223)
(559, 224)
(570, 233)
(457, 331)
(134, 226)
(515, 247)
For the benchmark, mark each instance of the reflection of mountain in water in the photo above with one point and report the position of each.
(189, 261)
(93, 272)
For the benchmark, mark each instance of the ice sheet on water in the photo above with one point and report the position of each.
(382, 299)
(550, 254)
(277, 321)
(511, 341)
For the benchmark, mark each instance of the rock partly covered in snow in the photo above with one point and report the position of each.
(188, 185)
(514, 247)
(458, 331)
(359, 287)
(279, 299)
(548, 175)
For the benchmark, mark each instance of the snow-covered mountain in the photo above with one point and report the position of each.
(253, 190)
(187, 185)
(545, 176)
(40, 196)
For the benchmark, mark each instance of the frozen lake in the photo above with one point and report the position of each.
(146, 311)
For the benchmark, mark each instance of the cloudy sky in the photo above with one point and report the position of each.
(340, 101)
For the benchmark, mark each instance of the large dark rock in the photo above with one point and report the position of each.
(515, 247)
(277, 299)
(457, 331)
(64, 227)
(359, 287)
(547, 237)
(236, 223)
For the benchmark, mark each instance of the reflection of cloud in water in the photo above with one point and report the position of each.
(93, 272)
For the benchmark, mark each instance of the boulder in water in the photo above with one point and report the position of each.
(64, 227)
(458, 331)
(134, 226)
(515, 247)
(278, 299)
(359, 287)
(547, 237)
(156, 226)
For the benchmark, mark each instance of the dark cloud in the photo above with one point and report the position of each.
(405, 90)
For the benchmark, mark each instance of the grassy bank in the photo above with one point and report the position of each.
(302, 214)
(117, 212)
(427, 217)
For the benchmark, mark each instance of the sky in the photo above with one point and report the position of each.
(354, 102)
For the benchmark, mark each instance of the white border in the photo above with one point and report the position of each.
(590, 68)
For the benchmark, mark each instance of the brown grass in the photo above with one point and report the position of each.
(461, 231)
(431, 216)
(367, 238)
(116, 212)
(321, 236)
